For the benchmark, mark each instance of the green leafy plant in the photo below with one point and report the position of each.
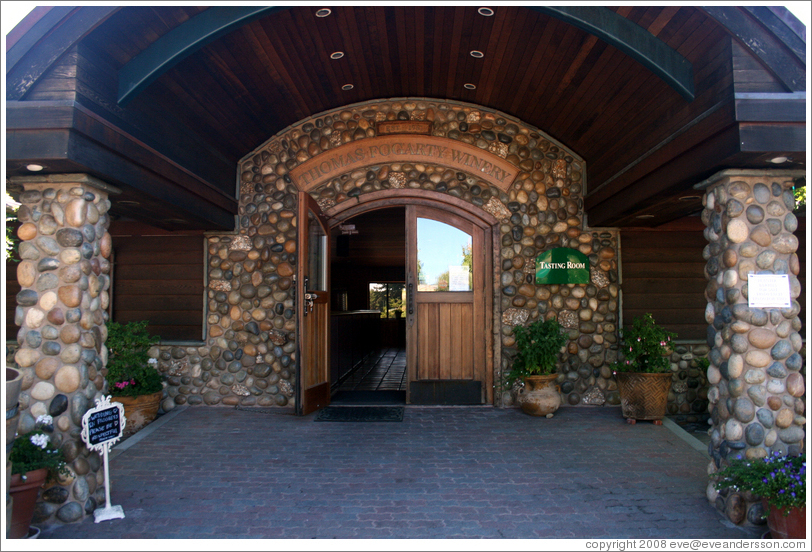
(778, 478)
(12, 241)
(538, 347)
(130, 370)
(645, 346)
(800, 198)
(34, 451)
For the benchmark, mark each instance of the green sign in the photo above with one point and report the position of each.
(562, 265)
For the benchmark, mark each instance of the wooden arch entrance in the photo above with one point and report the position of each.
(450, 344)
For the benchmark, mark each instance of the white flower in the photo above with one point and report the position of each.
(40, 440)
(45, 420)
(152, 361)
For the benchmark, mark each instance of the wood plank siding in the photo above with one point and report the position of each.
(159, 277)
(663, 273)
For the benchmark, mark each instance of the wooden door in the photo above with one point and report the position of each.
(313, 308)
(447, 329)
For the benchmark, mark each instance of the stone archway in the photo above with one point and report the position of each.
(249, 354)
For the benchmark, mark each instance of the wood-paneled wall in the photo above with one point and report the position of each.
(663, 273)
(159, 277)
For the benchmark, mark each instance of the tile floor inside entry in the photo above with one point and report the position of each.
(382, 370)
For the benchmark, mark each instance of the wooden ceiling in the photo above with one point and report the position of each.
(645, 144)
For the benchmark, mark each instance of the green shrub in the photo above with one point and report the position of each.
(130, 371)
(645, 346)
(538, 347)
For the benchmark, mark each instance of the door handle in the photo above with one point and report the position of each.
(309, 299)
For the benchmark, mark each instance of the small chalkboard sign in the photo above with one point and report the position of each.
(103, 425)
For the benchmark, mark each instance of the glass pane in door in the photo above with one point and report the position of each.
(316, 257)
(444, 257)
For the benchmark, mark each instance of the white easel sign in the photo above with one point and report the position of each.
(102, 427)
(768, 291)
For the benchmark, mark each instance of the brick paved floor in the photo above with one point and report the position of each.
(441, 473)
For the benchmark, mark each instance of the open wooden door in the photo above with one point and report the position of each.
(447, 320)
(313, 308)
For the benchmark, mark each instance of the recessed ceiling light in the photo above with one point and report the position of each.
(690, 197)
(477, 54)
(324, 12)
(644, 216)
(469, 86)
(487, 12)
(33, 167)
(337, 55)
(777, 160)
(347, 87)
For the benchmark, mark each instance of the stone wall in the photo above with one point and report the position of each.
(756, 373)
(64, 273)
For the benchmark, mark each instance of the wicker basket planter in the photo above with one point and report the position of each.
(643, 396)
(139, 411)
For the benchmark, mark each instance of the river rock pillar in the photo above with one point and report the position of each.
(756, 370)
(64, 273)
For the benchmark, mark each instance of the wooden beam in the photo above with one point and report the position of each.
(118, 169)
(771, 107)
(71, 151)
(181, 42)
(34, 58)
(687, 169)
(631, 39)
(775, 137)
(37, 116)
(778, 58)
(708, 123)
(31, 30)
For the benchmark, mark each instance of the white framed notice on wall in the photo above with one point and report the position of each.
(768, 291)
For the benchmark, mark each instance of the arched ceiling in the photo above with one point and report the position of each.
(163, 101)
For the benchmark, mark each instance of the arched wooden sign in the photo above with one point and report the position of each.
(406, 149)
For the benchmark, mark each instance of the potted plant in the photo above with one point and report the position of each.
(34, 460)
(780, 481)
(132, 376)
(644, 377)
(538, 345)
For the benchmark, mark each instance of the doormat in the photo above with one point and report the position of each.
(360, 414)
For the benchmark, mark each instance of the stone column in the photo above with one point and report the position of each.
(756, 378)
(64, 272)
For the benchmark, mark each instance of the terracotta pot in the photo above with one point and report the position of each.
(24, 493)
(790, 526)
(643, 396)
(14, 381)
(539, 397)
(139, 411)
